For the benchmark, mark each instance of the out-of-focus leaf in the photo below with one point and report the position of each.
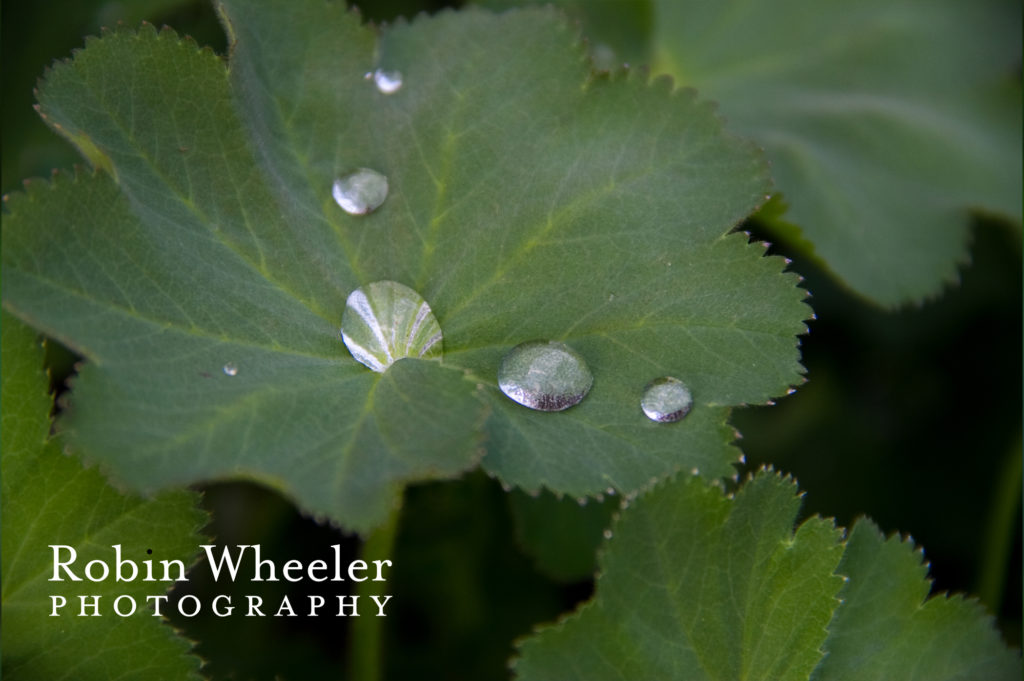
(48, 499)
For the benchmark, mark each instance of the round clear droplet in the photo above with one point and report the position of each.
(666, 400)
(230, 369)
(544, 375)
(361, 191)
(387, 82)
(386, 321)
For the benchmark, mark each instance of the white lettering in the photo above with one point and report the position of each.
(225, 559)
(254, 607)
(130, 600)
(95, 605)
(156, 600)
(380, 606)
(58, 564)
(194, 599)
(53, 600)
(229, 609)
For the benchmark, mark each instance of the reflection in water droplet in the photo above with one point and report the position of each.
(607, 534)
(388, 82)
(231, 369)
(666, 400)
(386, 321)
(361, 191)
(544, 375)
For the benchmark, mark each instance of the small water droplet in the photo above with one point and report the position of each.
(386, 321)
(582, 501)
(361, 191)
(230, 369)
(599, 498)
(388, 82)
(694, 471)
(610, 491)
(607, 534)
(544, 375)
(666, 400)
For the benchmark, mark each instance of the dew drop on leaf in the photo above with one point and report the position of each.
(544, 375)
(230, 369)
(388, 82)
(361, 191)
(666, 400)
(386, 321)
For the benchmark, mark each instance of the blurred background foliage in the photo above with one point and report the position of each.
(910, 416)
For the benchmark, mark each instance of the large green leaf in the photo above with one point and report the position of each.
(527, 200)
(884, 121)
(49, 499)
(887, 630)
(697, 586)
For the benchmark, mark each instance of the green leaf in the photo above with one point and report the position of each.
(49, 499)
(695, 585)
(527, 199)
(885, 628)
(884, 121)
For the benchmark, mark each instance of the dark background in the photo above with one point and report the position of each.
(911, 417)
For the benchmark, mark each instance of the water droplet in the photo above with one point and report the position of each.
(694, 471)
(386, 321)
(544, 375)
(607, 534)
(610, 491)
(361, 191)
(666, 400)
(230, 369)
(388, 82)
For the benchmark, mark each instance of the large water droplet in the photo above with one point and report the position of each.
(544, 375)
(388, 82)
(386, 321)
(361, 191)
(231, 369)
(666, 400)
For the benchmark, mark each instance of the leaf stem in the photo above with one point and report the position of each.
(999, 529)
(367, 651)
